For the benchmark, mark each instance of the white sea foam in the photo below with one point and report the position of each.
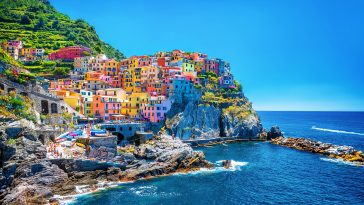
(340, 161)
(235, 166)
(85, 190)
(152, 191)
(336, 131)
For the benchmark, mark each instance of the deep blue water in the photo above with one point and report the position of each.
(272, 175)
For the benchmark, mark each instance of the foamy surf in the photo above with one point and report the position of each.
(336, 131)
(82, 190)
(340, 161)
(235, 166)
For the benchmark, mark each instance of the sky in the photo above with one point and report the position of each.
(289, 55)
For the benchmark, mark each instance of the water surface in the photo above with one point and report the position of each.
(270, 175)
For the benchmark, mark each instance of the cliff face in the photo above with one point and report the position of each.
(196, 120)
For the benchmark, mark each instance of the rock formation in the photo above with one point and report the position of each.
(346, 153)
(198, 120)
(28, 177)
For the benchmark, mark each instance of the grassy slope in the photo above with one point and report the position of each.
(39, 24)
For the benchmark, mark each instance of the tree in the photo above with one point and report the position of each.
(55, 24)
(40, 24)
(25, 19)
(61, 71)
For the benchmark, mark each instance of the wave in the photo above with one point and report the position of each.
(83, 190)
(235, 166)
(336, 131)
(340, 161)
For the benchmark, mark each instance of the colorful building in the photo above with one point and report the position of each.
(107, 103)
(81, 64)
(132, 105)
(111, 67)
(227, 81)
(12, 48)
(70, 53)
(155, 111)
(87, 101)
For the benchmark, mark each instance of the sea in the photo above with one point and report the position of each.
(262, 173)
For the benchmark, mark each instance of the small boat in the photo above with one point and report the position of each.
(223, 144)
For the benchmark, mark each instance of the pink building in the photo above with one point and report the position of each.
(144, 61)
(155, 111)
(69, 53)
(107, 103)
(210, 65)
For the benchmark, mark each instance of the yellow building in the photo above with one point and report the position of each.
(73, 99)
(127, 81)
(131, 80)
(133, 62)
(198, 65)
(110, 67)
(131, 107)
(25, 52)
(188, 68)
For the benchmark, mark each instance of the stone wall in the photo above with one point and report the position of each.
(45, 103)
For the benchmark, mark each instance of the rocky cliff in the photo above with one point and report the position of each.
(203, 118)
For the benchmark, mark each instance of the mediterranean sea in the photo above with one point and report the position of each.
(262, 173)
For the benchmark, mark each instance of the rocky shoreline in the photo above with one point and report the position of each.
(28, 176)
(345, 153)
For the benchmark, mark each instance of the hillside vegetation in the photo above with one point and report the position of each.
(39, 25)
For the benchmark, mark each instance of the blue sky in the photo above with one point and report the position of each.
(289, 55)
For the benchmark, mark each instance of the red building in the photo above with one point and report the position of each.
(69, 53)
(161, 61)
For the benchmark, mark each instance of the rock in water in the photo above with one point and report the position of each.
(274, 133)
(346, 153)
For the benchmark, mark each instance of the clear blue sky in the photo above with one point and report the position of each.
(289, 55)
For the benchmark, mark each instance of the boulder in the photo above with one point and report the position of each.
(274, 132)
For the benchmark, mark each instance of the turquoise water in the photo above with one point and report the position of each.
(264, 173)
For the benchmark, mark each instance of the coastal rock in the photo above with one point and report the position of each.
(32, 180)
(346, 153)
(196, 121)
(169, 156)
(246, 128)
(274, 133)
(28, 177)
(14, 129)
